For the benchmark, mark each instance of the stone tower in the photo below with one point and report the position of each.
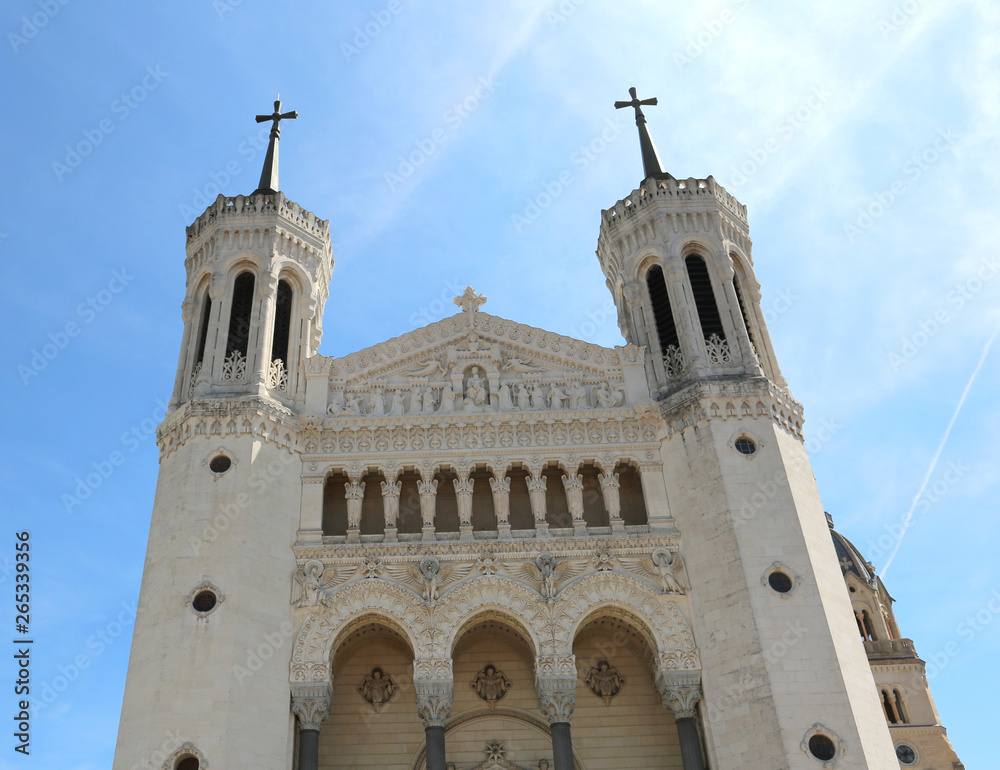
(258, 274)
(485, 546)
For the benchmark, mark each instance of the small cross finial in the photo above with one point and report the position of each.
(469, 300)
(269, 174)
(650, 158)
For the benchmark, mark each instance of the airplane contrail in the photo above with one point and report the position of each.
(944, 439)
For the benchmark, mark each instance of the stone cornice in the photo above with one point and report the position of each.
(228, 417)
(731, 399)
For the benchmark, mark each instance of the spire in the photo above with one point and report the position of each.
(269, 174)
(650, 158)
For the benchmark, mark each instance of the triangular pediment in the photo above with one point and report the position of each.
(473, 361)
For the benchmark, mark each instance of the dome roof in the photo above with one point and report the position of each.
(850, 558)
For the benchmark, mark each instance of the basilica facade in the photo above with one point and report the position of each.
(485, 545)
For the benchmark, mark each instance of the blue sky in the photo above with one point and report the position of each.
(862, 136)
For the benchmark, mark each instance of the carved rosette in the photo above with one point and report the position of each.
(433, 701)
(556, 697)
(680, 692)
(311, 703)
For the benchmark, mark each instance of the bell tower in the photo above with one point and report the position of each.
(785, 682)
(208, 671)
(258, 275)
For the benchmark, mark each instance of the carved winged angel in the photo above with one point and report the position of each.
(312, 583)
(429, 575)
(545, 572)
(429, 368)
(664, 567)
(521, 366)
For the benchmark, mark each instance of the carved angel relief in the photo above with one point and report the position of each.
(311, 584)
(605, 681)
(545, 573)
(663, 567)
(429, 576)
(491, 684)
(377, 688)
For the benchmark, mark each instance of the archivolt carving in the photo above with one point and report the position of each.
(314, 643)
(663, 619)
(505, 596)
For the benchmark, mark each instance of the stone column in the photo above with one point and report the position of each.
(390, 508)
(556, 698)
(536, 493)
(500, 485)
(434, 708)
(215, 351)
(311, 704)
(463, 493)
(427, 487)
(574, 502)
(680, 692)
(612, 500)
(765, 352)
(265, 324)
(686, 316)
(355, 493)
(741, 332)
(182, 383)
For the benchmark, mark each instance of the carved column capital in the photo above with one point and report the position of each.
(433, 701)
(680, 692)
(556, 697)
(311, 703)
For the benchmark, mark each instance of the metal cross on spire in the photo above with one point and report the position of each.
(269, 174)
(650, 158)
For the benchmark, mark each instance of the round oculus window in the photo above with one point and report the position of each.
(821, 747)
(220, 464)
(745, 446)
(906, 754)
(780, 582)
(204, 601)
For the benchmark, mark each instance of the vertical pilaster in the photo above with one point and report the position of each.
(311, 508)
(265, 323)
(186, 360)
(686, 317)
(654, 492)
(740, 333)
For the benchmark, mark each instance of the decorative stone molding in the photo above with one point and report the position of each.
(433, 701)
(680, 692)
(311, 703)
(556, 697)
(739, 399)
(221, 418)
(186, 750)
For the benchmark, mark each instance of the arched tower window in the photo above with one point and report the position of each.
(239, 316)
(282, 323)
(888, 707)
(206, 313)
(900, 711)
(743, 310)
(704, 298)
(865, 626)
(666, 330)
